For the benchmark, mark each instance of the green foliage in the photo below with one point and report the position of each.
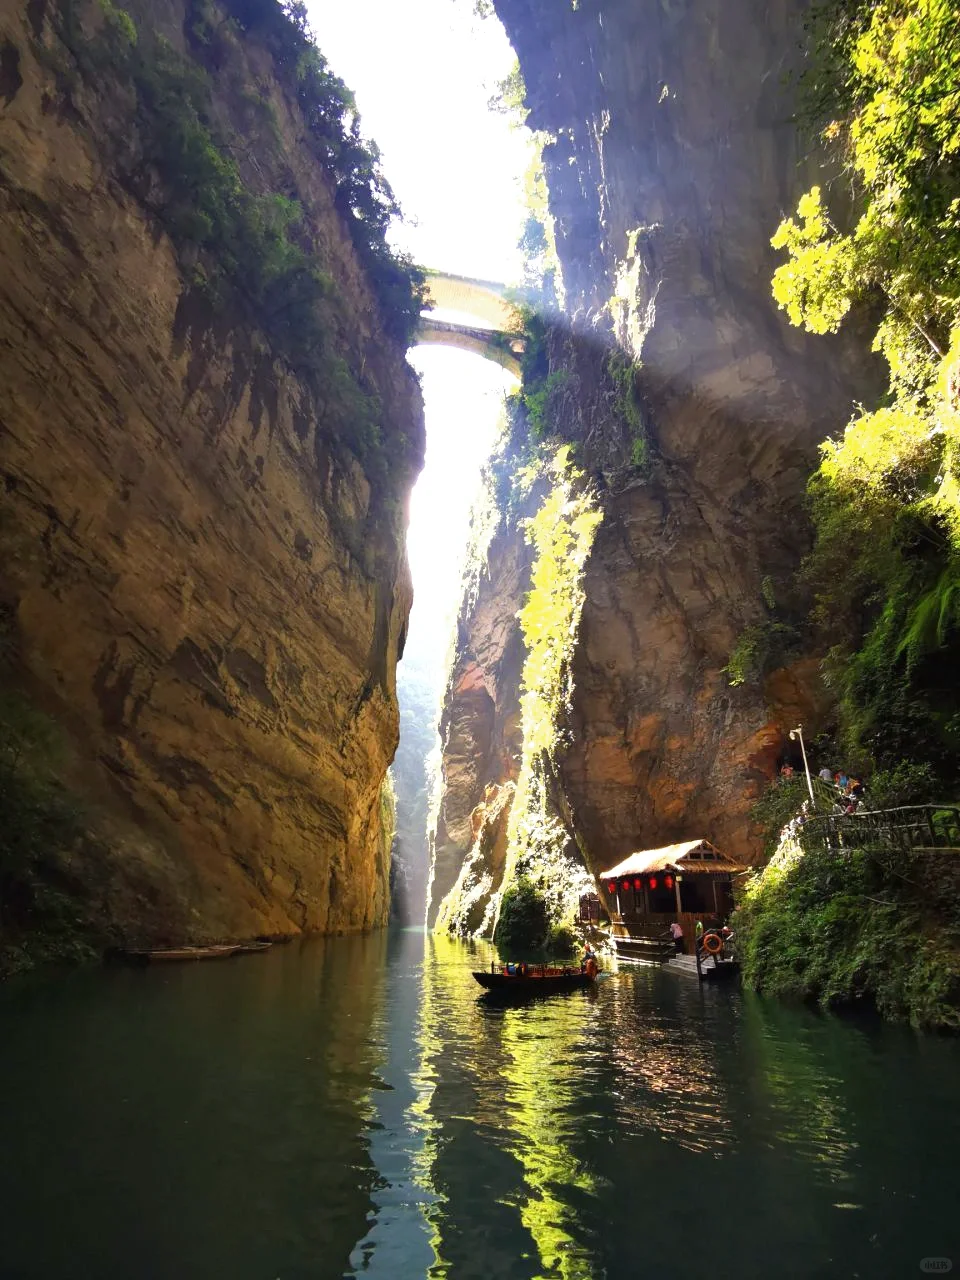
(523, 924)
(759, 648)
(839, 929)
(780, 802)
(562, 941)
(562, 534)
(622, 372)
(908, 782)
(509, 97)
(39, 820)
(247, 249)
(884, 88)
(540, 403)
(120, 21)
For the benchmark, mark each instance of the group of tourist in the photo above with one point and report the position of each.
(850, 790)
(849, 793)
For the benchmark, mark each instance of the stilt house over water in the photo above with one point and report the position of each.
(686, 882)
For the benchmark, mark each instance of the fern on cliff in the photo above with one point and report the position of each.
(884, 85)
(562, 533)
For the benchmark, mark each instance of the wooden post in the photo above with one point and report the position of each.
(716, 908)
(676, 890)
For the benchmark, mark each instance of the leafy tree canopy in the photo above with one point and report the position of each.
(884, 85)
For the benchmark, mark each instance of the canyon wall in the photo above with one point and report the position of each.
(672, 153)
(480, 728)
(202, 575)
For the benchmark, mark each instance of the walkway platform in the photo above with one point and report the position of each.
(710, 970)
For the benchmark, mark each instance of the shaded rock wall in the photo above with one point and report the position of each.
(208, 590)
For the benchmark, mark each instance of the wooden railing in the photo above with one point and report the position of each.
(918, 826)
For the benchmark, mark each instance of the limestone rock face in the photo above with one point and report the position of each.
(480, 730)
(674, 158)
(207, 591)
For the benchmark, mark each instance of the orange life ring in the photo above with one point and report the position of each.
(712, 943)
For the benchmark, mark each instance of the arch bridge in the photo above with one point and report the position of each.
(494, 336)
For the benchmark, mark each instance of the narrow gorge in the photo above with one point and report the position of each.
(479, 635)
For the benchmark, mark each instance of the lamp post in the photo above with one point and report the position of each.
(794, 735)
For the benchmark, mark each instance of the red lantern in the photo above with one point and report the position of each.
(653, 882)
(625, 886)
(638, 884)
(612, 887)
(668, 881)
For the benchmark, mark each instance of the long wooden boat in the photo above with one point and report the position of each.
(530, 979)
(219, 951)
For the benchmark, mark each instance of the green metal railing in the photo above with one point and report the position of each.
(918, 826)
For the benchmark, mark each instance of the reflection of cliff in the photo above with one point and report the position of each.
(542, 1076)
(673, 151)
(518, 1071)
(201, 551)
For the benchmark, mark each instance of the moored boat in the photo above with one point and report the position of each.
(217, 951)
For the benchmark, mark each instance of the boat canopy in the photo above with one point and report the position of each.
(692, 857)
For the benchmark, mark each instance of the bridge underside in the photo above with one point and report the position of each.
(488, 343)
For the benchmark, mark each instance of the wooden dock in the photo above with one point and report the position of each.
(709, 969)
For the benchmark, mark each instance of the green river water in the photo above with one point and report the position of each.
(354, 1107)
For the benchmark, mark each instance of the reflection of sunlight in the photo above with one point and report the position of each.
(542, 1077)
(430, 1047)
(668, 1081)
(400, 1132)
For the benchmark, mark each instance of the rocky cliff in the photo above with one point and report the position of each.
(480, 726)
(202, 537)
(671, 155)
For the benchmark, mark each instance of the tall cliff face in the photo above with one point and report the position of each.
(672, 156)
(480, 732)
(206, 579)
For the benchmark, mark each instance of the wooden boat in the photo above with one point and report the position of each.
(531, 979)
(219, 951)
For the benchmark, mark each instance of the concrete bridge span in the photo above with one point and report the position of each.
(495, 334)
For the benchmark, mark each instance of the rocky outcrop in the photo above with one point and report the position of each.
(207, 584)
(680, 130)
(673, 153)
(480, 729)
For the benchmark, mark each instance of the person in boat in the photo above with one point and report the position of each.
(589, 963)
(676, 933)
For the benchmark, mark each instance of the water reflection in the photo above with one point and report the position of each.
(570, 1138)
(801, 1099)
(352, 1107)
(667, 1078)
